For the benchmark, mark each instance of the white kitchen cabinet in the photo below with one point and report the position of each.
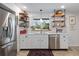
(34, 41)
(63, 41)
(25, 42)
(28, 42)
(44, 41)
(22, 42)
(40, 41)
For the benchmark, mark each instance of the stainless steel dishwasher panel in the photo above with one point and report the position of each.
(54, 41)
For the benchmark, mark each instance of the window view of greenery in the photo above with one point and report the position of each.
(37, 24)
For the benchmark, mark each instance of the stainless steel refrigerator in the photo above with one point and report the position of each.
(8, 42)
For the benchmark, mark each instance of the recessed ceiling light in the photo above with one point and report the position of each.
(62, 6)
(25, 7)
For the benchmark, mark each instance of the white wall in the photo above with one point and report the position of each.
(73, 31)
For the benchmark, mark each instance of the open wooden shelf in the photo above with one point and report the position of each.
(59, 18)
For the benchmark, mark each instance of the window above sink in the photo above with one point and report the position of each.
(40, 24)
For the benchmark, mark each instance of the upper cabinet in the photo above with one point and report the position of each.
(59, 18)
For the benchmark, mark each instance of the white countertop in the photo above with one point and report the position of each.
(43, 33)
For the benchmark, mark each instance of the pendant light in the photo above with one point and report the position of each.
(41, 16)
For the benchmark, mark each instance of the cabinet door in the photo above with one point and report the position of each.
(63, 41)
(28, 42)
(44, 41)
(35, 41)
(22, 42)
(25, 42)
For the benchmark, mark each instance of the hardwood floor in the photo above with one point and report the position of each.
(23, 53)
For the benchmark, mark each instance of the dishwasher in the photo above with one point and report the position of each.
(54, 41)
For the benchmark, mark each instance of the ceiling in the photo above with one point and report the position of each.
(49, 7)
(46, 7)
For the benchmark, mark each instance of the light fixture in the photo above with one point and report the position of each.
(41, 16)
(41, 20)
(24, 7)
(62, 6)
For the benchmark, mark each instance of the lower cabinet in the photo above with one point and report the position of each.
(22, 42)
(58, 41)
(64, 41)
(25, 42)
(34, 42)
(44, 42)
